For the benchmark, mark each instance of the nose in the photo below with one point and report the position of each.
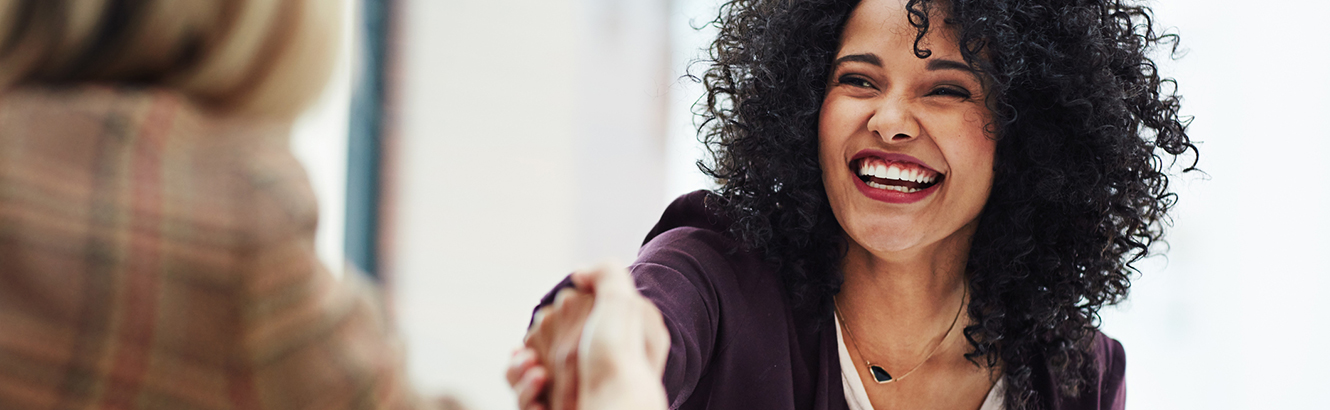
(894, 121)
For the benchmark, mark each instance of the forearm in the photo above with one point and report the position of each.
(630, 385)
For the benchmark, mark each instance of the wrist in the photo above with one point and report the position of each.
(623, 384)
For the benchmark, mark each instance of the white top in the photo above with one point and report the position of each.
(857, 396)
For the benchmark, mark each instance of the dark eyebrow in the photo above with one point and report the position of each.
(934, 64)
(868, 58)
(943, 64)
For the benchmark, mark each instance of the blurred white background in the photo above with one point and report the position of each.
(537, 136)
(319, 140)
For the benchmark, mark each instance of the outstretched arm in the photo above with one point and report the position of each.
(624, 345)
(599, 346)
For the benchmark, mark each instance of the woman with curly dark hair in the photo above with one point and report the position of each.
(923, 204)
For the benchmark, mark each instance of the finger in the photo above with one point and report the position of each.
(563, 392)
(605, 279)
(531, 386)
(584, 278)
(539, 317)
(562, 297)
(537, 323)
(523, 359)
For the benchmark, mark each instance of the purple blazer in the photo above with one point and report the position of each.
(736, 343)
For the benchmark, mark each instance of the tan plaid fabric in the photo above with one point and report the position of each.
(154, 258)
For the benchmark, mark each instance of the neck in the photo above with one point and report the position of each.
(902, 302)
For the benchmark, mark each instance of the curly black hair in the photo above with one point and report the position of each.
(1085, 127)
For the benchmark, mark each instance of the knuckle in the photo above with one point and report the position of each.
(562, 297)
(539, 318)
(570, 359)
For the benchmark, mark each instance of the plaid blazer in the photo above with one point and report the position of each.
(155, 257)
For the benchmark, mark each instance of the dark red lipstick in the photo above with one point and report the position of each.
(893, 178)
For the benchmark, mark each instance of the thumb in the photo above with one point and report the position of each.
(606, 279)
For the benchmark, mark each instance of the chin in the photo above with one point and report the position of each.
(885, 236)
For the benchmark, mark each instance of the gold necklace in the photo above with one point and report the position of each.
(880, 375)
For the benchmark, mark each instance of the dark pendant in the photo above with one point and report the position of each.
(880, 374)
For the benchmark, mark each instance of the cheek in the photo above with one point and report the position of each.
(974, 157)
(969, 153)
(977, 154)
(976, 146)
(837, 121)
(829, 134)
(983, 149)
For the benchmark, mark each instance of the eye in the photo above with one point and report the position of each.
(854, 81)
(951, 91)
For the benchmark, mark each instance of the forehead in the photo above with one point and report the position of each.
(882, 27)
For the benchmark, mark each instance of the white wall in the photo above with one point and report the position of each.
(319, 139)
(1234, 317)
(689, 37)
(531, 143)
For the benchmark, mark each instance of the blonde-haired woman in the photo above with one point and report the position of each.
(156, 234)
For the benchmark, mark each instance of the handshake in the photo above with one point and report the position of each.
(599, 346)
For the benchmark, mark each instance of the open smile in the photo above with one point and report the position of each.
(894, 178)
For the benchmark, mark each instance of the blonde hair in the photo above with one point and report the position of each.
(265, 58)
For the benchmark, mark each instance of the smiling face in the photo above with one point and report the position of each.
(905, 158)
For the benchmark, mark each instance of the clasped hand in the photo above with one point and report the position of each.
(599, 346)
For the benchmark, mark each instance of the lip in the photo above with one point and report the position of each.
(893, 197)
(891, 157)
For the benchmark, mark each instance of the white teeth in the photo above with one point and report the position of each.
(896, 188)
(896, 172)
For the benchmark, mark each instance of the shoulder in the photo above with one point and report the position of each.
(697, 210)
(259, 167)
(691, 260)
(1112, 371)
(689, 236)
(692, 239)
(1112, 357)
(218, 184)
(1108, 390)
